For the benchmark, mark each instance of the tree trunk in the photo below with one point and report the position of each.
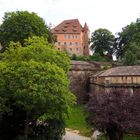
(115, 136)
(26, 127)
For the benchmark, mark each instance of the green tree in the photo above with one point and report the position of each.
(102, 42)
(129, 58)
(130, 34)
(132, 54)
(20, 25)
(34, 87)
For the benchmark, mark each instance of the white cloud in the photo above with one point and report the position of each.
(110, 14)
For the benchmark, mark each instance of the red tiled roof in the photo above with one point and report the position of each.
(68, 26)
(122, 71)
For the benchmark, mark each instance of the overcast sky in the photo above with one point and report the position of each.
(110, 14)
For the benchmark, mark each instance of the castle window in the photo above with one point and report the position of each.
(77, 36)
(68, 36)
(77, 49)
(70, 49)
(107, 82)
(65, 36)
(76, 43)
(65, 43)
(70, 43)
(73, 36)
(59, 43)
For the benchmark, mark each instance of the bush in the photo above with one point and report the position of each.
(94, 57)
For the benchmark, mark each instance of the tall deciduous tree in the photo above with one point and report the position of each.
(102, 41)
(132, 54)
(33, 87)
(20, 25)
(115, 113)
(129, 35)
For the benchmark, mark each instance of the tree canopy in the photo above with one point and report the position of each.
(20, 25)
(132, 55)
(130, 35)
(102, 41)
(33, 87)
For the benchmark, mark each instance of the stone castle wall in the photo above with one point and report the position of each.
(79, 76)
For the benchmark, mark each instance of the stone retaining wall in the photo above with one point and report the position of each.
(79, 76)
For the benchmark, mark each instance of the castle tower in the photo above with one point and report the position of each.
(72, 37)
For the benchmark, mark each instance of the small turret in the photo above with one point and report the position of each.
(86, 27)
(86, 39)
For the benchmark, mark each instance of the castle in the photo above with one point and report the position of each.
(72, 37)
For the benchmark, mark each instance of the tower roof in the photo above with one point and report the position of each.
(86, 27)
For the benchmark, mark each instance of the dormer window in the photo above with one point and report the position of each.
(74, 30)
(67, 22)
(64, 30)
(65, 26)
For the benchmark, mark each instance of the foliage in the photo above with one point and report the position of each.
(114, 113)
(20, 25)
(129, 58)
(37, 49)
(129, 35)
(95, 57)
(102, 42)
(80, 58)
(77, 121)
(33, 87)
(132, 55)
(98, 57)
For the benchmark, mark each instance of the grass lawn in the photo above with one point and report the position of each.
(76, 121)
(128, 137)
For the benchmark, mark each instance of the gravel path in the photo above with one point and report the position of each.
(73, 136)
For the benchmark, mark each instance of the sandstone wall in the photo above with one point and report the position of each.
(79, 76)
(100, 88)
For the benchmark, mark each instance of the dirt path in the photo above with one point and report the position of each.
(74, 136)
